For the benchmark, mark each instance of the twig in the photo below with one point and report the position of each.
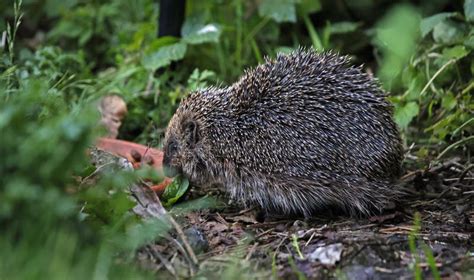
(310, 238)
(182, 251)
(163, 260)
(251, 251)
(464, 173)
(179, 230)
(97, 170)
(263, 233)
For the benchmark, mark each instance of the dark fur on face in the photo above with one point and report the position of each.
(185, 149)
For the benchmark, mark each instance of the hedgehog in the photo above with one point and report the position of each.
(298, 134)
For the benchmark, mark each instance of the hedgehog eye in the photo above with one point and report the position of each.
(172, 147)
(191, 133)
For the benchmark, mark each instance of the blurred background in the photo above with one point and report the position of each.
(212, 42)
(57, 57)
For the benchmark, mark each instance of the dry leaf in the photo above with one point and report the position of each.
(113, 109)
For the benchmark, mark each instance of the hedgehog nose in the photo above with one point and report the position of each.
(170, 171)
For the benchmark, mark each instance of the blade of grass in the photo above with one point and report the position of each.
(295, 269)
(431, 261)
(440, 70)
(294, 242)
(412, 245)
(256, 51)
(238, 39)
(454, 145)
(318, 46)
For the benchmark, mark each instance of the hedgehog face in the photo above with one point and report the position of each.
(180, 147)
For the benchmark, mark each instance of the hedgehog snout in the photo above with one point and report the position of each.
(170, 169)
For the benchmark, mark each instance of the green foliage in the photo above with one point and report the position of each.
(175, 191)
(195, 31)
(469, 10)
(294, 242)
(46, 231)
(99, 27)
(397, 47)
(52, 226)
(427, 24)
(164, 56)
(58, 57)
(279, 10)
(437, 80)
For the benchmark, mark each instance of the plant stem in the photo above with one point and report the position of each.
(454, 145)
(313, 34)
(436, 75)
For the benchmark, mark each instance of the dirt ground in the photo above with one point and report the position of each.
(233, 243)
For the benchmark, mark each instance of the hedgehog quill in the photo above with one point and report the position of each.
(300, 133)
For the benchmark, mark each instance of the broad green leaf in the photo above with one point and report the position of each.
(174, 191)
(279, 10)
(415, 87)
(158, 43)
(405, 114)
(343, 27)
(469, 9)
(449, 101)
(309, 6)
(448, 32)
(469, 42)
(164, 56)
(198, 33)
(396, 37)
(427, 24)
(456, 52)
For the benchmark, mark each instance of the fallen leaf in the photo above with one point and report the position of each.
(112, 109)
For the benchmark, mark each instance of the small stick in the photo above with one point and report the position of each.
(251, 251)
(178, 228)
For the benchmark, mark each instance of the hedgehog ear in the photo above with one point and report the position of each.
(191, 132)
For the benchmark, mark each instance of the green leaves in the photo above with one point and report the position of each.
(278, 10)
(436, 80)
(469, 10)
(456, 52)
(405, 113)
(175, 190)
(164, 56)
(396, 37)
(448, 101)
(195, 31)
(198, 79)
(427, 24)
(168, 49)
(449, 32)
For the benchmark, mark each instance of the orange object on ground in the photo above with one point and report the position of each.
(137, 154)
(160, 188)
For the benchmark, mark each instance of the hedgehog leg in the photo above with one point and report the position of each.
(354, 195)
